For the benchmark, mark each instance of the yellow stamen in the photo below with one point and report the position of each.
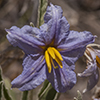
(53, 64)
(58, 61)
(98, 65)
(57, 54)
(51, 52)
(48, 62)
(98, 61)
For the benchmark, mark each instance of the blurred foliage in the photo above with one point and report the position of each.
(79, 96)
(19, 13)
(3, 90)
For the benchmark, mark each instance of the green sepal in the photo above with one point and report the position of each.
(48, 92)
(46, 83)
(41, 11)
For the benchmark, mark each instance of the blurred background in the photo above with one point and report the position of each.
(81, 14)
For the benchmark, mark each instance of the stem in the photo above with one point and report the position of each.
(31, 94)
(25, 95)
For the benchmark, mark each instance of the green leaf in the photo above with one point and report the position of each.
(0, 74)
(8, 86)
(25, 95)
(3, 89)
(6, 93)
(79, 96)
(48, 92)
(1, 86)
(41, 11)
(1, 83)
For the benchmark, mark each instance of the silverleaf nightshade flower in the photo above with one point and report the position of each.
(93, 63)
(50, 52)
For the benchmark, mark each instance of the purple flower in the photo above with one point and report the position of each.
(50, 52)
(93, 63)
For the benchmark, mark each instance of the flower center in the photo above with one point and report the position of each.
(53, 54)
(98, 61)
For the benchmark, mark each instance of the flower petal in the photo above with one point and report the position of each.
(53, 12)
(72, 56)
(48, 31)
(62, 30)
(62, 79)
(25, 38)
(89, 71)
(32, 75)
(76, 40)
(93, 79)
(29, 60)
(51, 18)
(97, 52)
